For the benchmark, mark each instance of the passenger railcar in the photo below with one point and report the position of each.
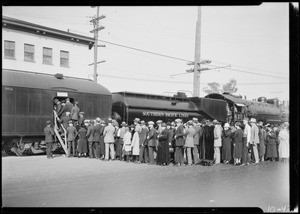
(27, 102)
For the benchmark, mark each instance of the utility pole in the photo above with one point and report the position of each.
(95, 22)
(196, 85)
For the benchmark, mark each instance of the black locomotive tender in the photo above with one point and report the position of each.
(27, 102)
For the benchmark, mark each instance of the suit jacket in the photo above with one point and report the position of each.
(179, 141)
(75, 113)
(109, 134)
(48, 134)
(71, 132)
(143, 136)
(197, 133)
(152, 134)
(254, 135)
(97, 133)
(90, 133)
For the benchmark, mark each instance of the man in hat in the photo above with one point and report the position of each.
(246, 141)
(254, 139)
(217, 140)
(120, 135)
(90, 137)
(159, 128)
(75, 113)
(58, 105)
(65, 120)
(262, 138)
(198, 130)
(152, 137)
(179, 142)
(109, 140)
(143, 155)
(81, 118)
(48, 131)
(96, 138)
(71, 135)
(67, 107)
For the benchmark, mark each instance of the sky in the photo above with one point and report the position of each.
(252, 40)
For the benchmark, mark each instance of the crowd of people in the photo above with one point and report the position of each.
(179, 143)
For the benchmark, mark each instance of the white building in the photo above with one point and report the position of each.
(36, 48)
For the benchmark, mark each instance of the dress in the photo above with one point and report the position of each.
(271, 145)
(227, 145)
(284, 140)
(163, 148)
(238, 143)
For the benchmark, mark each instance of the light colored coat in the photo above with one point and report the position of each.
(127, 142)
(254, 139)
(284, 141)
(135, 144)
(189, 140)
(109, 134)
(218, 136)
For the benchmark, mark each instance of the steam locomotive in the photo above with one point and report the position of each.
(27, 102)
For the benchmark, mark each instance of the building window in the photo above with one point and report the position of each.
(64, 58)
(47, 56)
(9, 49)
(29, 53)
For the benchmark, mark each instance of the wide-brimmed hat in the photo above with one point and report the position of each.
(86, 121)
(98, 120)
(143, 122)
(70, 121)
(67, 99)
(136, 120)
(159, 121)
(55, 100)
(252, 120)
(195, 119)
(163, 125)
(123, 123)
(178, 120)
(267, 125)
(48, 122)
(226, 125)
(150, 123)
(190, 122)
(260, 123)
(109, 120)
(216, 121)
(239, 124)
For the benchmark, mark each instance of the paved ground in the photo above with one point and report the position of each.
(81, 182)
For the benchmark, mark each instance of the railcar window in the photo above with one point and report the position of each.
(9, 49)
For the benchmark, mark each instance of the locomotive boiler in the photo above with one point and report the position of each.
(266, 110)
(27, 102)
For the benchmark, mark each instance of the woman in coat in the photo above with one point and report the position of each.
(284, 140)
(226, 144)
(163, 147)
(238, 144)
(189, 142)
(135, 144)
(271, 144)
(82, 142)
(127, 144)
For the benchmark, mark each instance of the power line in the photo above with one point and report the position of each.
(185, 60)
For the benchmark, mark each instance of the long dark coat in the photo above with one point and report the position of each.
(227, 145)
(271, 145)
(163, 148)
(82, 142)
(206, 144)
(238, 143)
(262, 142)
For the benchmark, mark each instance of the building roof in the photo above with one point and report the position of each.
(27, 79)
(17, 24)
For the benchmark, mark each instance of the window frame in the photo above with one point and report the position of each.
(61, 58)
(25, 59)
(14, 50)
(51, 56)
